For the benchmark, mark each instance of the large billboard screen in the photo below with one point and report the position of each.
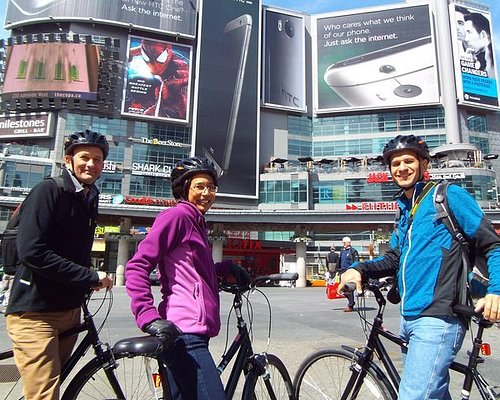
(226, 126)
(474, 56)
(375, 59)
(157, 80)
(283, 63)
(51, 70)
(177, 17)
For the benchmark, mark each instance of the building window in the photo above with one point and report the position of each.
(482, 188)
(352, 191)
(150, 186)
(299, 148)
(110, 183)
(283, 191)
(482, 143)
(380, 122)
(477, 123)
(299, 125)
(21, 175)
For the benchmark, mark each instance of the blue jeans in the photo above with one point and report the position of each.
(433, 343)
(192, 370)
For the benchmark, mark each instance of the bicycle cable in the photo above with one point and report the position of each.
(106, 298)
(366, 325)
(250, 314)
(250, 317)
(255, 289)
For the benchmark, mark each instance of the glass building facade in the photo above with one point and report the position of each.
(343, 152)
(146, 149)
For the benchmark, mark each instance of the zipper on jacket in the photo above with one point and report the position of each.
(408, 236)
(403, 277)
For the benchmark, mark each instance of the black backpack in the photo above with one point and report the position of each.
(10, 258)
(474, 276)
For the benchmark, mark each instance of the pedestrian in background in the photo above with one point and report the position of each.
(332, 259)
(348, 255)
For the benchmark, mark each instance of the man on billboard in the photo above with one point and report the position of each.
(166, 79)
(478, 39)
(460, 13)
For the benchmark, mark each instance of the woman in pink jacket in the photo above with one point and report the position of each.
(178, 245)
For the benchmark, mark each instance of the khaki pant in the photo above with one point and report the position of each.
(38, 352)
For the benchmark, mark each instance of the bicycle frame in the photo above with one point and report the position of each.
(241, 345)
(374, 345)
(470, 371)
(91, 339)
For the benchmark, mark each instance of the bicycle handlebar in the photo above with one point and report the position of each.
(461, 309)
(275, 278)
(234, 288)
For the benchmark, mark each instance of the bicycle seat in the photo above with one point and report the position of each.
(140, 345)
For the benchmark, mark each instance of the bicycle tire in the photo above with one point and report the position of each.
(325, 373)
(138, 377)
(257, 386)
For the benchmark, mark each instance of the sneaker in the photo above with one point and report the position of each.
(348, 309)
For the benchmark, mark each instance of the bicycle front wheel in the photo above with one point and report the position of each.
(272, 383)
(325, 374)
(132, 378)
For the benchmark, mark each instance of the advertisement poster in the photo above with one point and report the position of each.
(158, 80)
(51, 70)
(226, 129)
(284, 61)
(375, 59)
(177, 17)
(474, 56)
(25, 126)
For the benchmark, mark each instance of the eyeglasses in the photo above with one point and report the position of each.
(199, 188)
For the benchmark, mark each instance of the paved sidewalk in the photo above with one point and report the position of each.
(303, 320)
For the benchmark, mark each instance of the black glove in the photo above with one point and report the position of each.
(163, 329)
(242, 278)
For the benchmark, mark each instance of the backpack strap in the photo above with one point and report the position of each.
(57, 179)
(16, 215)
(397, 218)
(445, 214)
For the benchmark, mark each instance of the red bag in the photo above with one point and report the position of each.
(331, 291)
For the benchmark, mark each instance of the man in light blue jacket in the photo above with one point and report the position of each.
(427, 261)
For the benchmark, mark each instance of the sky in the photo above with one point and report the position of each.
(321, 6)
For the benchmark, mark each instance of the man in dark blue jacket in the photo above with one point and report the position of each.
(54, 241)
(428, 265)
